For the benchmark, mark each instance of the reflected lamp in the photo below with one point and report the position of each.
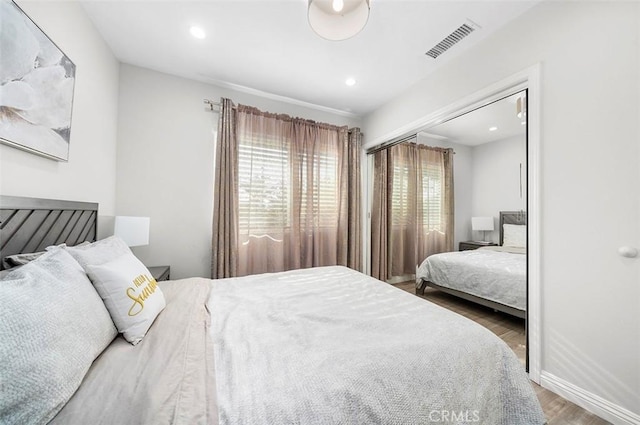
(482, 224)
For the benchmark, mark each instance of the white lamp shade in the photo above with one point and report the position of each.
(482, 223)
(133, 230)
(335, 26)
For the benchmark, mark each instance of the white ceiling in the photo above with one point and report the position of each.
(268, 46)
(472, 129)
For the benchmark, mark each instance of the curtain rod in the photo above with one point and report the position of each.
(404, 139)
(213, 105)
(387, 145)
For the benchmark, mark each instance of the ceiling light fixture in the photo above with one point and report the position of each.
(197, 32)
(350, 82)
(494, 128)
(337, 20)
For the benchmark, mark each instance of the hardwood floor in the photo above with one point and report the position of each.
(511, 330)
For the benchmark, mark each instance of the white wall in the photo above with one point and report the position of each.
(166, 161)
(462, 185)
(89, 175)
(496, 181)
(590, 159)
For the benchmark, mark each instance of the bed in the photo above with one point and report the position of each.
(325, 345)
(494, 276)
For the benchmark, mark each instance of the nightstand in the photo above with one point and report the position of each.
(469, 245)
(160, 273)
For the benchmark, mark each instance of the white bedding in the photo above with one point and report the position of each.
(330, 345)
(491, 273)
(316, 346)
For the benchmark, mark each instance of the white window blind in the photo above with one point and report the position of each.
(264, 186)
(320, 205)
(267, 181)
(401, 201)
(432, 193)
(403, 196)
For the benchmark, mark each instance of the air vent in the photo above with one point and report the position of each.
(451, 40)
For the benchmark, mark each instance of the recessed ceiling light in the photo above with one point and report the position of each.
(197, 32)
(350, 82)
(494, 128)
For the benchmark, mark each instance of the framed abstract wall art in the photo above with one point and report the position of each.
(36, 87)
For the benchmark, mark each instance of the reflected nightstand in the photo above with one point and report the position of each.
(469, 245)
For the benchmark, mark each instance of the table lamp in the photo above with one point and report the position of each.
(482, 224)
(133, 230)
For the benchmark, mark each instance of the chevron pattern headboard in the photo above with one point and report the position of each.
(31, 224)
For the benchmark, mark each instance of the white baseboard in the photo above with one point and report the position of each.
(398, 279)
(595, 404)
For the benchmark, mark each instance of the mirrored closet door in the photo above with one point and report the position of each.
(449, 214)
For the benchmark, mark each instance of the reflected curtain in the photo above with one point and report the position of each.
(380, 215)
(299, 193)
(436, 219)
(418, 203)
(224, 260)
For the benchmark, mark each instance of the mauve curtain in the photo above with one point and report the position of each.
(412, 211)
(349, 217)
(435, 177)
(404, 171)
(224, 259)
(299, 193)
(380, 216)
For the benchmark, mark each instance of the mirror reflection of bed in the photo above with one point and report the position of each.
(481, 274)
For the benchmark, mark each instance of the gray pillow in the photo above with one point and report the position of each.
(53, 324)
(19, 259)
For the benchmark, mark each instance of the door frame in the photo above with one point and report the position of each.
(528, 79)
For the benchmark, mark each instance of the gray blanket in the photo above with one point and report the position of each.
(492, 273)
(332, 346)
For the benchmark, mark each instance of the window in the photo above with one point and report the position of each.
(401, 199)
(321, 203)
(267, 177)
(406, 183)
(432, 194)
(264, 186)
(284, 198)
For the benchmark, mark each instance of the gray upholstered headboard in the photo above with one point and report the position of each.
(31, 224)
(511, 217)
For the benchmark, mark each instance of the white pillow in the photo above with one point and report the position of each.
(514, 235)
(130, 293)
(99, 252)
(53, 325)
(113, 269)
